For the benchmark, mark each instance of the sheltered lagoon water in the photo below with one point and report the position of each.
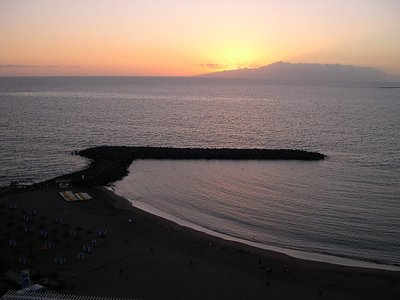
(284, 204)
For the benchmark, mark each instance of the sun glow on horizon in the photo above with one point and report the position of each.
(237, 57)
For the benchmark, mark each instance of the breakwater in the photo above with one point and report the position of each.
(111, 163)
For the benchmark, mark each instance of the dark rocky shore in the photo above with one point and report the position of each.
(111, 163)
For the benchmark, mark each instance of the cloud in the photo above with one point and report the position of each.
(18, 66)
(37, 66)
(214, 66)
(228, 67)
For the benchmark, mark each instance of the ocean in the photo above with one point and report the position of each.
(346, 206)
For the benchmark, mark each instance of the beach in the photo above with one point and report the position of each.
(144, 256)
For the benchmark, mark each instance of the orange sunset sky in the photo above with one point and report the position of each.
(179, 38)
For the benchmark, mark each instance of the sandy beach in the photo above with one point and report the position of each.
(152, 258)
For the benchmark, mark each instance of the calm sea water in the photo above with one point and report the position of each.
(347, 205)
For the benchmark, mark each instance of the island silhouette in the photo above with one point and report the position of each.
(306, 72)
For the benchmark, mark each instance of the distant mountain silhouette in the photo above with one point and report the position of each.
(306, 72)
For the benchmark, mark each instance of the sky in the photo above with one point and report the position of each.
(184, 38)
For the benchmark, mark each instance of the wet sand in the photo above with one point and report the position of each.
(153, 258)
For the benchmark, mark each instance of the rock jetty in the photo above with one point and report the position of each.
(111, 163)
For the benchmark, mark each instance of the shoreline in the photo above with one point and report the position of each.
(153, 258)
(308, 256)
(125, 204)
